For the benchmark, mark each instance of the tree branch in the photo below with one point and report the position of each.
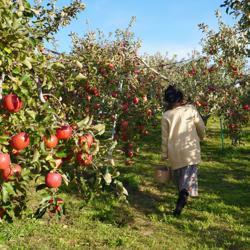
(152, 69)
(1, 86)
(39, 88)
(59, 102)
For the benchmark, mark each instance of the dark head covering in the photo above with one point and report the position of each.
(172, 95)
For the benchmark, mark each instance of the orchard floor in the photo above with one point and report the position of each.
(218, 219)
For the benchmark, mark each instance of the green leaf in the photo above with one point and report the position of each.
(65, 179)
(36, 156)
(7, 50)
(25, 78)
(59, 65)
(31, 113)
(96, 147)
(90, 121)
(40, 187)
(4, 139)
(82, 124)
(27, 63)
(16, 71)
(80, 77)
(108, 178)
(5, 194)
(120, 188)
(100, 128)
(9, 188)
(79, 65)
(25, 92)
(124, 191)
(45, 199)
(61, 154)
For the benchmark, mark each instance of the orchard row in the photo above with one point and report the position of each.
(66, 117)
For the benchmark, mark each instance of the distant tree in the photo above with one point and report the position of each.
(241, 9)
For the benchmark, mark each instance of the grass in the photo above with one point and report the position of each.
(218, 219)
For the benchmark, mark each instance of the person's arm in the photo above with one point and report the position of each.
(164, 138)
(199, 124)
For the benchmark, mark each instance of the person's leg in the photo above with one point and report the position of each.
(179, 177)
(187, 180)
(181, 202)
(176, 178)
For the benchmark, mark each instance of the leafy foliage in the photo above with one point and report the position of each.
(241, 9)
(28, 71)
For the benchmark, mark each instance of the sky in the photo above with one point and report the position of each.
(164, 26)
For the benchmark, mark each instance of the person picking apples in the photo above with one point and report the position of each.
(182, 130)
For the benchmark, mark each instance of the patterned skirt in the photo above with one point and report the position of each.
(186, 178)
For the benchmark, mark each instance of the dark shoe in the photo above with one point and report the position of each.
(181, 202)
(176, 212)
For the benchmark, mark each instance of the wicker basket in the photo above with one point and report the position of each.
(162, 174)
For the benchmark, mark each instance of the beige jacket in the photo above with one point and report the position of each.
(182, 130)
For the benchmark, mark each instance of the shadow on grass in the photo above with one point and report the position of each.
(213, 237)
(217, 181)
(223, 180)
(148, 203)
(224, 185)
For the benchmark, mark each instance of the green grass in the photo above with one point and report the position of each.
(218, 219)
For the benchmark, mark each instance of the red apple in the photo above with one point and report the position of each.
(124, 125)
(12, 103)
(57, 201)
(56, 204)
(124, 137)
(94, 91)
(88, 138)
(97, 106)
(64, 132)
(136, 100)
(130, 153)
(125, 107)
(84, 159)
(245, 107)
(233, 126)
(51, 142)
(149, 112)
(4, 161)
(198, 104)
(114, 94)
(53, 180)
(103, 71)
(113, 117)
(20, 141)
(14, 170)
(111, 66)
